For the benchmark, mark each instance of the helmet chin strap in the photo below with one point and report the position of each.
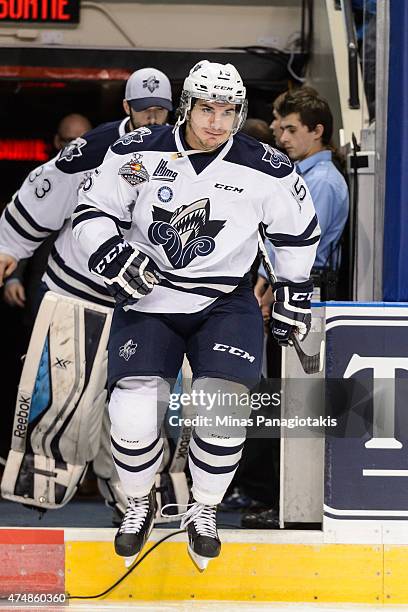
(181, 154)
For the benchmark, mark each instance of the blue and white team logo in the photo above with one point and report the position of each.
(186, 233)
(128, 349)
(136, 136)
(73, 149)
(274, 157)
(151, 83)
(165, 194)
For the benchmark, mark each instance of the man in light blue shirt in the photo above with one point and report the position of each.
(306, 127)
(331, 200)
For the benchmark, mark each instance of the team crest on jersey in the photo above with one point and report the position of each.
(274, 157)
(165, 194)
(134, 171)
(73, 149)
(128, 349)
(135, 136)
(186, 233)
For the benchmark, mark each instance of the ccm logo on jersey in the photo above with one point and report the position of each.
(233, 350)
(229, 187)
(110, 256)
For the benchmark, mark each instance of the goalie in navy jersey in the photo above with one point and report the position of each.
(170, 221)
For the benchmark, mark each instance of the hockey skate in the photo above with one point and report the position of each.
(203, 541)
(136, 526)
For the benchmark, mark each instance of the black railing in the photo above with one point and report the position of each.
(352, 48)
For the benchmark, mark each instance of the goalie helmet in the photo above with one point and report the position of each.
(215, 83)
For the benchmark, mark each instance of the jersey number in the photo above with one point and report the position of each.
(42, 190)
(299, 189)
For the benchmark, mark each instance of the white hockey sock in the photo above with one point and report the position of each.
(215, 449)
(213, 463)
(136, 410)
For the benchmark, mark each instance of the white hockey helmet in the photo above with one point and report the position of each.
(216, 83)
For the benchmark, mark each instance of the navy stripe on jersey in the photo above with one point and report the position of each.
(214, 449)
(309, 236)
(221, 280)
(84, 213)
(303, 243)
(17, 227)
(207, 291)
(71, 289)
(23, 212)
(211, 469)
(83, 279)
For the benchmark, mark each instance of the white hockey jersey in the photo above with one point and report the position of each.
(199, 228)
(45, 203)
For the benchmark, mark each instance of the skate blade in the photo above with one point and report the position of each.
(200, 562)
(130, 560)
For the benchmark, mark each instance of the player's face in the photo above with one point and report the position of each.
(209, 124)
(276, 127)
(154, 115)
(298, 141)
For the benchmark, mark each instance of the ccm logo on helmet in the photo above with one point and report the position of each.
(223, 87)
(233, 350)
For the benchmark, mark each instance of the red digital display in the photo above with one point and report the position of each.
(24, 150)
(39, 11)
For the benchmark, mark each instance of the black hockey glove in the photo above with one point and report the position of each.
(291, 311)
(128, 273)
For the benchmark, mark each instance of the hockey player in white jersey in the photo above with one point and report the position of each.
(191, 199)
(43, 204)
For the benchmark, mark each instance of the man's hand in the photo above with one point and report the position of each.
(7, 266)
(291, 311)
(14, 293)
(128, 273)
(260, 288)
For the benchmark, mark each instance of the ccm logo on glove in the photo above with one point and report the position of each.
(291, 311)
(128, 273)
(302, 296)
(109, 257)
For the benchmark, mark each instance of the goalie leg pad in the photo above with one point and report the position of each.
(60, 402)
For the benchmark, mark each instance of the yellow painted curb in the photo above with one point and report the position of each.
(244, 572)
(395, 574)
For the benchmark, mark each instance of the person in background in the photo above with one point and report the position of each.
(21, 287)
(43, 206)
(258, 129)
(306, 135)
(306, 126)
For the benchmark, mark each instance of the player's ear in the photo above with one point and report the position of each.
(319, 130)
(126, 107)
